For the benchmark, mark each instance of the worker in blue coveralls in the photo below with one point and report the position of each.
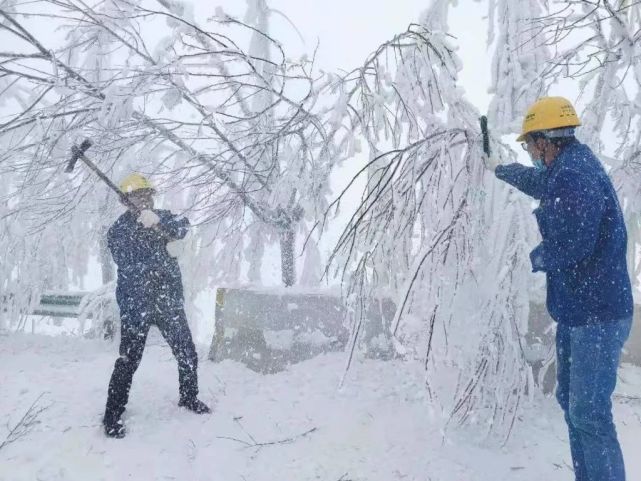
(149, 292)
(583, 255)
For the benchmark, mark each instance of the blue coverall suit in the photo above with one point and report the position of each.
(149, 292)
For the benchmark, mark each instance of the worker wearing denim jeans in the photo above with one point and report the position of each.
(583, 254)
(588, 358)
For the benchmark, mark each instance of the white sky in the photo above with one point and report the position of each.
(348, 30)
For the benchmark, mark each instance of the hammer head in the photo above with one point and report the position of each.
(77, 151)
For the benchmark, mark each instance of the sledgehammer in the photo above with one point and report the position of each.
(78, 152)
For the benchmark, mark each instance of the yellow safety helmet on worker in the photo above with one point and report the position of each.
(134, 182)
(550, 116)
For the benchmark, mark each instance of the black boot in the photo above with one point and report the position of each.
(114, 429)
(194, 405)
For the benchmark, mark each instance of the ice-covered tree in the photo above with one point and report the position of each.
(426, 230)
(232, 135)
(519, 58)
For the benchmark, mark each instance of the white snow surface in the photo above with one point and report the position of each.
(379, 426)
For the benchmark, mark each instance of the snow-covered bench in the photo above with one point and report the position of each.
(82, 305)
(59, 304)
(259, 325)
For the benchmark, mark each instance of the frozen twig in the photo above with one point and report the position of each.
(253, 443)
(26, 423)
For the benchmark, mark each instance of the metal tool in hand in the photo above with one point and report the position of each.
(486, 136)
(78, 152)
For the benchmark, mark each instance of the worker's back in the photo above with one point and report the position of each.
(591, 283)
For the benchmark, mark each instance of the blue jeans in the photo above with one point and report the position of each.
(587, 362)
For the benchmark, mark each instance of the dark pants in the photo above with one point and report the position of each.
(134, 329)
(587, 362)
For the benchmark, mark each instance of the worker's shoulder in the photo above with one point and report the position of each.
(579, 157)
(121, 222)
(577, 161)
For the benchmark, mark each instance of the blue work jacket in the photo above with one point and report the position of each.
(583, 251)
(149, 280)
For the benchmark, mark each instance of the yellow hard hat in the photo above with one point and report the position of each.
(549, 113)
(135, 182)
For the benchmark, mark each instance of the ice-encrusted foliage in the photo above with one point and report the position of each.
(231, 136)
(427, 230)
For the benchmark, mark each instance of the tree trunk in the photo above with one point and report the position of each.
(255, 252)
(106, 266)
(108, 275)
(288, 266)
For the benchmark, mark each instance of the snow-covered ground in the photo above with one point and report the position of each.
(292, 426)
